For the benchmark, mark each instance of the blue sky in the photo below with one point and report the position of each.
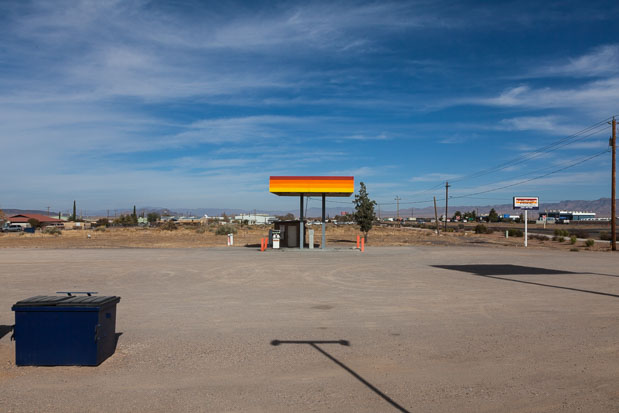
(194, 104)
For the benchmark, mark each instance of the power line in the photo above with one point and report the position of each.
(575, 137)
(537, 177)
(580, 161)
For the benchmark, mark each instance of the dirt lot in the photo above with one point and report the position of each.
(431, 329)
(337, 236)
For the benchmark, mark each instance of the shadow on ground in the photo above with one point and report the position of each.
(116, 338)
(314, 344)
(498, 271)
(4, 330)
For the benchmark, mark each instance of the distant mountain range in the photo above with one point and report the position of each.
(600, 206)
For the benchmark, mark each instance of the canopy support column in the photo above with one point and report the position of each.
(301, 237)
(324, 237)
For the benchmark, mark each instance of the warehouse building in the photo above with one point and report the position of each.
(568, 215)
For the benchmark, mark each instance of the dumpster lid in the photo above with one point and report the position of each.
(55, 300)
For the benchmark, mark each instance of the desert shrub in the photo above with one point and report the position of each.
(561, 233)
(225, 229)
(514, 232)
(589, 243)
(201, 230)
(580, 233)
(607, 236)
(52, 231)
(574, 249)
(481, 229)
(169, 226)
(539, 237)
(460, 226)
(100, 229)
(558, 238)
(573, 239)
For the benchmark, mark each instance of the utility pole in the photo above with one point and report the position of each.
(397, 200)
(446, 202)
(436, 216)
(613, 196)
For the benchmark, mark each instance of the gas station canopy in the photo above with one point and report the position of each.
(343, 186)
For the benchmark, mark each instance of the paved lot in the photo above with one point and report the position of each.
(492, 330)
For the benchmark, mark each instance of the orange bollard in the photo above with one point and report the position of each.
(261, 244)
(357, 241)
(363, 244)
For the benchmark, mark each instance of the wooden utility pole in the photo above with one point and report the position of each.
(436, 216)
(446, 202)
(397, 201)
(613, 196)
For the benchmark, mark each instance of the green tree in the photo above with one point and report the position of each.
(493, 216)
(73, 217)
(34, 223)
(102, 222)
(458, 215)
(470, 216)
(364, 210)
(124, 221)
(134, 217)
(152, 217)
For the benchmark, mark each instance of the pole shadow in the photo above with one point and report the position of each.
(498, 271)
(314, 344)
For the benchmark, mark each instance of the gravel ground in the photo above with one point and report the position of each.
(498, 333)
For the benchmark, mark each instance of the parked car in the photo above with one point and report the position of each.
(12, 228)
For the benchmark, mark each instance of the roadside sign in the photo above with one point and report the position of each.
(526, 202)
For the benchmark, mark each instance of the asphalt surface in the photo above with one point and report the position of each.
(410, 329)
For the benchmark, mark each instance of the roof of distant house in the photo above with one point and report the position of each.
(23, 218)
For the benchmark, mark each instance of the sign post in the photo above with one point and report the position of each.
(526, 203)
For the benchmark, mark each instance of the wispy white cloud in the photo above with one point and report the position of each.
(549, 124)
(592, 96)
(433, 177)
(601, 61)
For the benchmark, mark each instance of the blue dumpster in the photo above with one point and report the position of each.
(65, 330)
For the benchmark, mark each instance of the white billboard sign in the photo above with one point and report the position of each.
(526, 202)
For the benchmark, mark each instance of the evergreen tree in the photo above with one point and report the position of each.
(364, 214)
(74, 216)
(134, 216)
(493, 216)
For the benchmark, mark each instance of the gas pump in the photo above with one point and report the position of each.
(276, 236)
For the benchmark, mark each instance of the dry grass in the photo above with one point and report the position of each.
(337, 236)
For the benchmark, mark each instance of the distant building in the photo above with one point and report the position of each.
(22, 219)
(255, 219)
(568, 215)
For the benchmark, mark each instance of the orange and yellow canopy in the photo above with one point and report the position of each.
(312, 185)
